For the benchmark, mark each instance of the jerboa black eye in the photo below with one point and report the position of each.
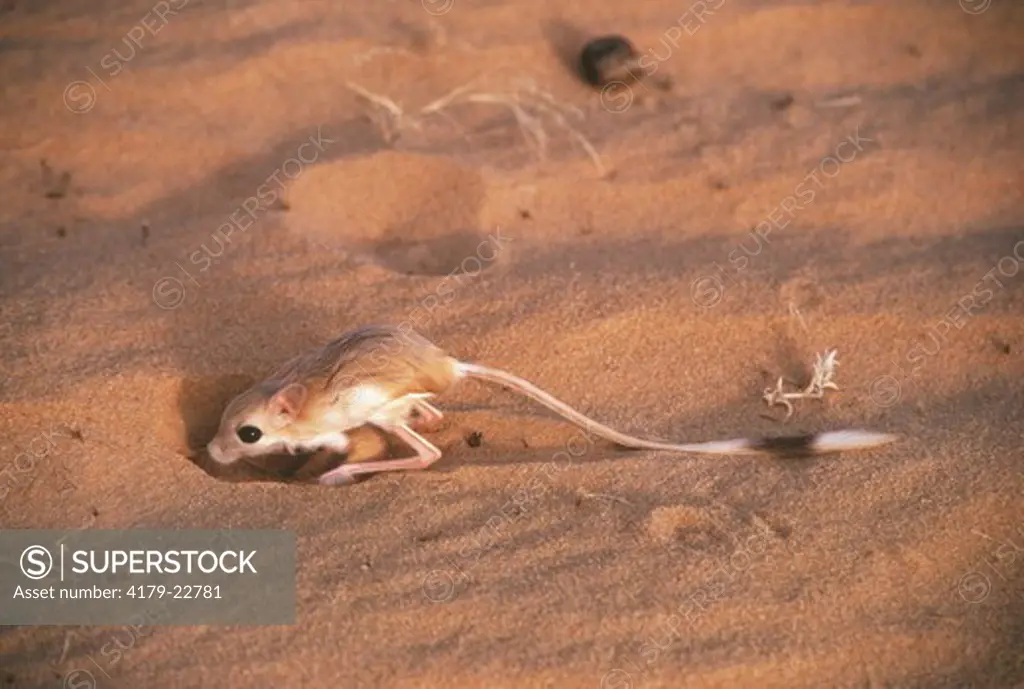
(249, 434)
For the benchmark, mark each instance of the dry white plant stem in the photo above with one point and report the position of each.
(445, 100)
(528, 104)
(380, 100)
(795, 312)
(557, 116)
(821, 380)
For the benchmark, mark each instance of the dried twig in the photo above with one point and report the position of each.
(582, 140)
(795, 312)
(821, 380)
(529, 105)
(380, 100)
(530, 125)
(443, 101)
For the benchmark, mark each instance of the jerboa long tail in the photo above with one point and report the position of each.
(812, 444)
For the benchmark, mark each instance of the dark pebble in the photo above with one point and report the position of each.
(608, 59)
(782, 102)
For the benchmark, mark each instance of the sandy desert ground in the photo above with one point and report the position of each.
(794, 176)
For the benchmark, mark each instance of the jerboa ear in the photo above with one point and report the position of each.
(288, 401)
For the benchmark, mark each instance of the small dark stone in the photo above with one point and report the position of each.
(474, 439)
(525, 215)
(95, 512)
(1000, 344)
(609, 59)
(9, 678)
(61, 232)
(145, 233)
(719, 185)
(913, 50)
(782, 102)
(77, 435)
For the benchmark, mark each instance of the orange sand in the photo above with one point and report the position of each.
(629, 296)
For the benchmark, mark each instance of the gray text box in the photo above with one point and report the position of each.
(147, 577)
